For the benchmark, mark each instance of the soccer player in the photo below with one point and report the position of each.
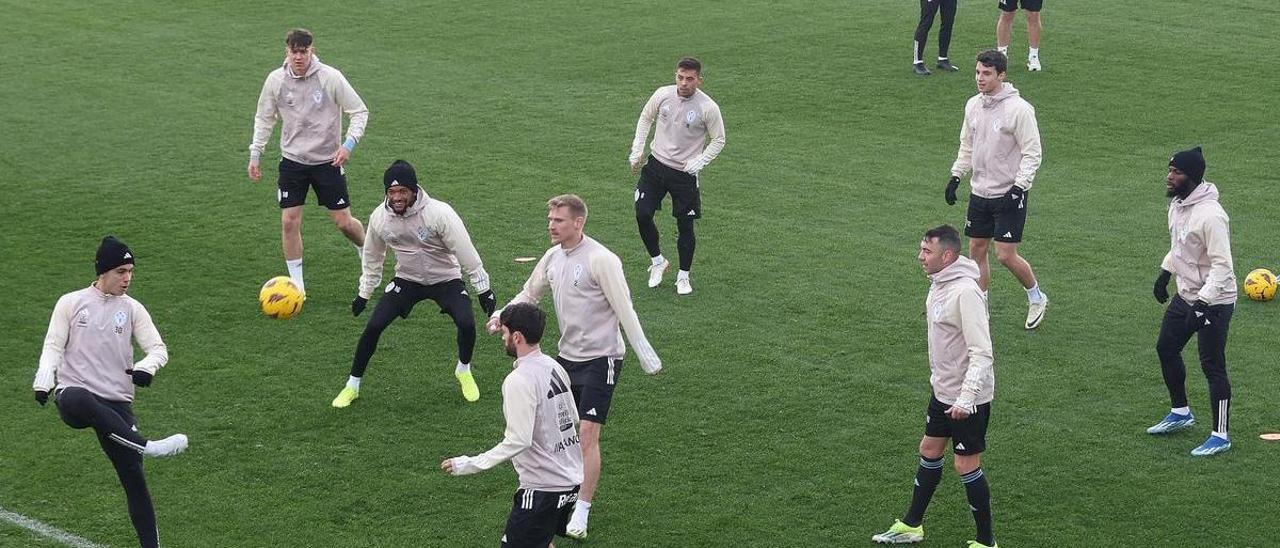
(541, 439)
(929, 8)
(1000, 144)
(592, 300)
(429, 241)
(687, 118)
(963, 384)
(1200, 256)
(310, 97)
(88, 364)
(1004, 28)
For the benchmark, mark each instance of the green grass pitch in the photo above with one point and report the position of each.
(795, 382)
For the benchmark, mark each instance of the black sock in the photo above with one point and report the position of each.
(927, 477)
(975, 486)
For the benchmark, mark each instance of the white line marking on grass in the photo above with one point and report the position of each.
(39, 528)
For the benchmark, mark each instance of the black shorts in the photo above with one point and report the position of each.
(1001, 218)
(656, 180)
(401, 295)
(968, 436)
(592, 384)
(1013, 5)
(537, 517)
(329, 181)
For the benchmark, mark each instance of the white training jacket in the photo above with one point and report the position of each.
(430, 242)
(90, 345)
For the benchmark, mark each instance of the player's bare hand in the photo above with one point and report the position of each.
(447, 466)
(341, 156)
(255, 173)
(958, 413)
(635, 167)
(492, 326)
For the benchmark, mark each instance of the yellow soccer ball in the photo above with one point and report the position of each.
(1260, 285)
(282, 299)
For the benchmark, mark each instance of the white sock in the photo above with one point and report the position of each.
(359, 250)
(683, 275)
(353, 383)
(295, 271)
(941, 59)
(462, 368)
(1004, 50)
(1034, 295)
(658, 260)
(1035, 52)
(1222, 435)
(1180, 410)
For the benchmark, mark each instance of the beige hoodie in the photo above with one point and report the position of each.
(960, 359)
(89, 344)
(430, 242)
(1200, 247)
(684, 125)
(541, 438)
(591, 301)
(1000, 142)
(311, 106)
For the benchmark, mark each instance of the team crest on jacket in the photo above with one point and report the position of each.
(82, 318)
(577, 275)
(317, 96)
(423, 233)
(690, 117)
(120, 318)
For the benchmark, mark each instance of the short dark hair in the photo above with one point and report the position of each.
(691, 63)
(299, 39)
(945, 235)
(525, 318)
(993, 58)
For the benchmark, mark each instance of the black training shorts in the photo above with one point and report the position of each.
(968, 436)
(592, 384)
(1013, 5)
(656, 180)
(537, 517)
(1001, 218)
(329, 181)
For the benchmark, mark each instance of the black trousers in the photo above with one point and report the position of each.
(928, 8)
(1212, 343)
(399, 300)
(117, 431)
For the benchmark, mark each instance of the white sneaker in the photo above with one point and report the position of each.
(1035, 312)
(683, 287)
(167, 447)
(656, 271)
(1033, 64)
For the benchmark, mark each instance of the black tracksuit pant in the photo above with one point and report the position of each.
(1175, 332)
(117, 431)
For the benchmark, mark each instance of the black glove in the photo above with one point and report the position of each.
(1016, 196)
(488, 302)
(141, 378)
(1198, 316)
(358, 304)
(42, 397)
(952, 184)
(1162, 286)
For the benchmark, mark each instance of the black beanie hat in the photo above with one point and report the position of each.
(400, 174)
(1190, 162)
(111, 254)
